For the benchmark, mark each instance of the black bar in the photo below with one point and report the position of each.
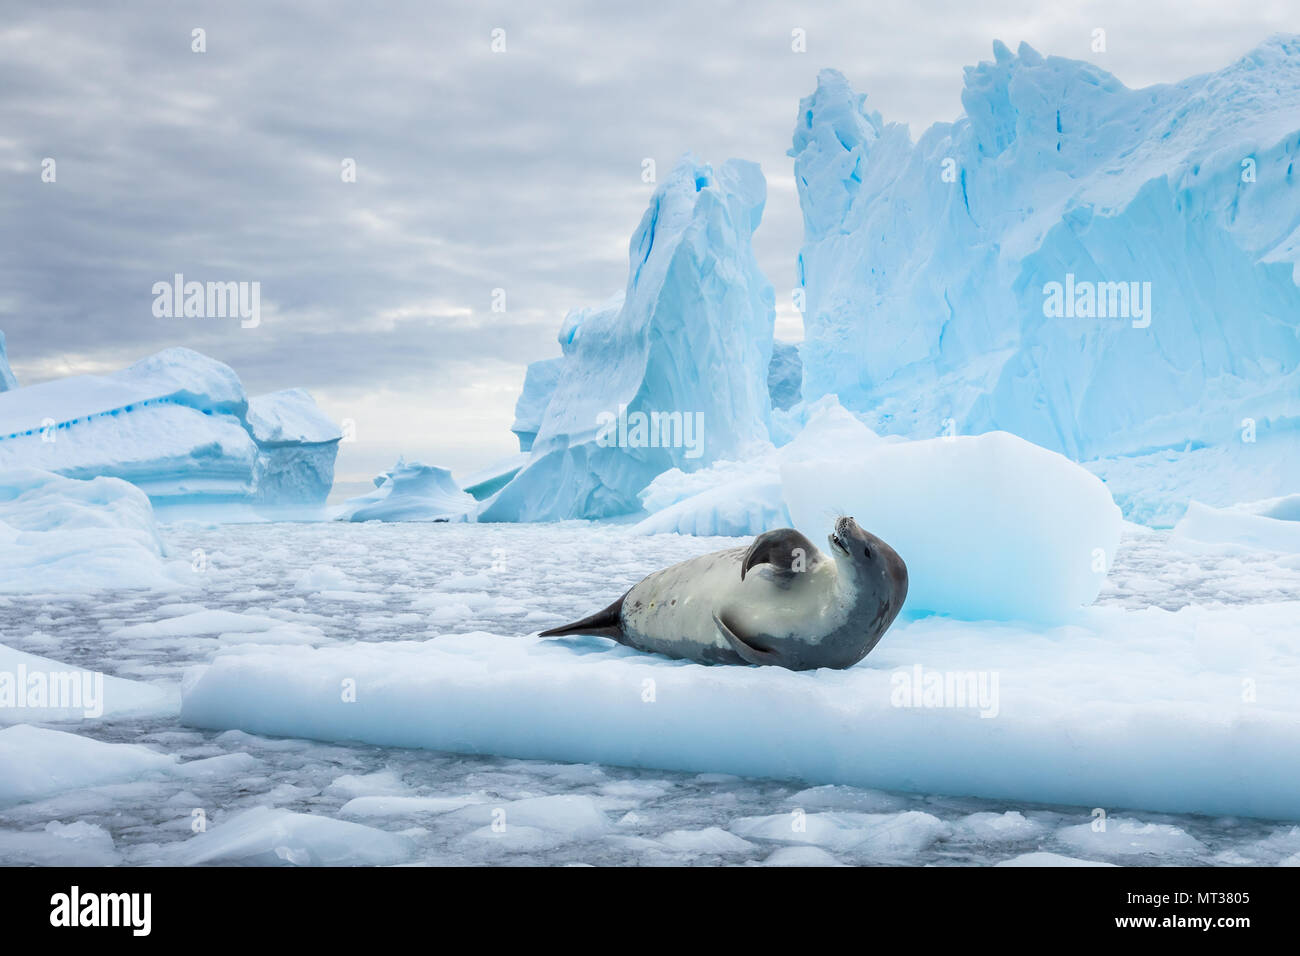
(241, 906)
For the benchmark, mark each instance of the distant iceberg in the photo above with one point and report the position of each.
(686, 352)
(179, 426)
(1268, 525)
(412, 492)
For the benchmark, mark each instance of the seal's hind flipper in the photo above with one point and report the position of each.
(606, 623)
(748, 652)
(785, 549)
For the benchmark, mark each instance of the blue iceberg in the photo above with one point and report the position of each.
(179, 426)
(672, 376)
(1109, 273)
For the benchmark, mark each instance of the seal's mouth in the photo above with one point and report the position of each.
(843, 535)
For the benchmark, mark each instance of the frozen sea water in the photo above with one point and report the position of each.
(297, 801)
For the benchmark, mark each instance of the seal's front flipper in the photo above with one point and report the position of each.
(606, 623)
(748, 652)
(785, 549)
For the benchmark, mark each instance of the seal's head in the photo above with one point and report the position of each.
(875, 565)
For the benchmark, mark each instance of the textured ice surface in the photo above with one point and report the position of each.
(37, 762)
(925, 265)
(785, 375)
(1155, 488)
(275, 836)
(411, 492)
(65, 534)
(264, 572)
(691, 339)
(59, 844)
(178, 425)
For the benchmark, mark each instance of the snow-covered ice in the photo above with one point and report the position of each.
(37, 762)
(64, 534)
(278, 837)
(38, 689)
(942, 705)
(1244, 525)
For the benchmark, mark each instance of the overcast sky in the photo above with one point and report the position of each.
(476, 170)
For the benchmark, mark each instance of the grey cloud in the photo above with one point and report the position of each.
(476, 171)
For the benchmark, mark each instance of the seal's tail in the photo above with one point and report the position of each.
(606, 623)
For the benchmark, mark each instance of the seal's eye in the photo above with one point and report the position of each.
(867, 551)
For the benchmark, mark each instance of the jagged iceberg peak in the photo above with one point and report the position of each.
(927, 265)
(1009, 96)
(833, 135)
(686, 352)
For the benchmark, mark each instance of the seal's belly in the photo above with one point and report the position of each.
(671, 612)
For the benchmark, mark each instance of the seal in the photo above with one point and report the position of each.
(781, 601)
